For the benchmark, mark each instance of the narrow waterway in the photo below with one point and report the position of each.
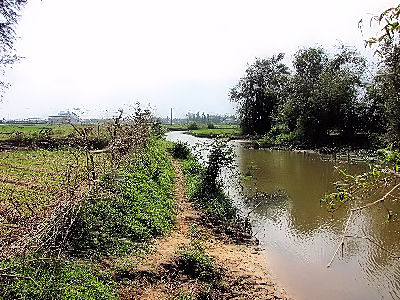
(300, 236)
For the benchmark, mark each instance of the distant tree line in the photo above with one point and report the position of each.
(209, 118)
(325, 97)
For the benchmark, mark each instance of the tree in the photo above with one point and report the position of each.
(9, 14)
(387, 80)
(322, 94)
(258, 93)
(383, 177)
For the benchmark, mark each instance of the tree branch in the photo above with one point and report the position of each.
(381, 200)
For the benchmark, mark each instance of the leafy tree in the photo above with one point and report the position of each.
(9, 13)
(387, 81)
(382, 179)
(322, 94)
(258, 93)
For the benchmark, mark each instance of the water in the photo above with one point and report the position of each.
(300, 236)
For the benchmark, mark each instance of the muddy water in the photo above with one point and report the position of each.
(300, 236)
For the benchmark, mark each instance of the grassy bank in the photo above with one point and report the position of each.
(219, 131)
(203, 186)
(133, 205)
(207, 131)
(128, 207)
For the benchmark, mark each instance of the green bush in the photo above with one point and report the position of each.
(203, 185)
(210, 126)
(52, 279)
(193, 126)
(180, 150)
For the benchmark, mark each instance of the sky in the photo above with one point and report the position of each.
(95, 56)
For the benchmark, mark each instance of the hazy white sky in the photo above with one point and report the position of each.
(100, 55)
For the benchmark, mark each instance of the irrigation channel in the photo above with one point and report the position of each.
(299, 236)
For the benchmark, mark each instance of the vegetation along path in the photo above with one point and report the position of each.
(241, 268)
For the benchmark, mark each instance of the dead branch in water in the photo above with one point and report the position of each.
(344, 236)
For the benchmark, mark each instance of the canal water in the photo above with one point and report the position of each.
(283, 196)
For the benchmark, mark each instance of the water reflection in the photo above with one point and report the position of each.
(301, 237)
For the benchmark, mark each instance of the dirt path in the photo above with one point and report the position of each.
(245, 275)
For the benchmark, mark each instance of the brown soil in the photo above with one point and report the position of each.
(242, 267)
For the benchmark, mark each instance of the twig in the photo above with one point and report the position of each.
(373, 242)
(253, 209)
(9, 225)
(381, 200)
(377, 201)
(342, 240)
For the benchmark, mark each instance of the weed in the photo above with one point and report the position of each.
(185, 296)
(45, 278)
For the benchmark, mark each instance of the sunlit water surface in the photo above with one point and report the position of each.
(300, 236)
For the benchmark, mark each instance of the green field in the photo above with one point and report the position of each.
(60, 131)
(218, 131)
(32, 180)
(9, 131)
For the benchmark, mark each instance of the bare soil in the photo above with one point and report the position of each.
(242, 266)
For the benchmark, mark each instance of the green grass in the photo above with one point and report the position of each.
(33, 179)
(55, 136)
(136, 205)
(52, 279)
(62, 130)
(219, 131)
(216, 203)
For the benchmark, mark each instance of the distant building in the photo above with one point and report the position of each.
(64, 118)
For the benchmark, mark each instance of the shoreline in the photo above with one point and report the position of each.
(241, 264)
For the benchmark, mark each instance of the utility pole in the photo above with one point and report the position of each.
(171, 116)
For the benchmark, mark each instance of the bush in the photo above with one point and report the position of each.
(180, 150)
(193, 126)
(203, 185)
(210, 126)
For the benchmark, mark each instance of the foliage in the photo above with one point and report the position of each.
(210, 126)
(322, 94)
(46, 278)
(386, 84)
(258, 94)
(204, 186)
(193, 172)
(359, 188)
(389, 33)
(137, 206)
(220, 155)
(193, 126)
(180, 150)
(9, 10)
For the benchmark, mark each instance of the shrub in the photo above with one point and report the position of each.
(193, 126)
(204, 186)
(210, 126)
(180, 150)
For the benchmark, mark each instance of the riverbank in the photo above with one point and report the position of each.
(235, 270)
(334, 152)
(135, 228)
